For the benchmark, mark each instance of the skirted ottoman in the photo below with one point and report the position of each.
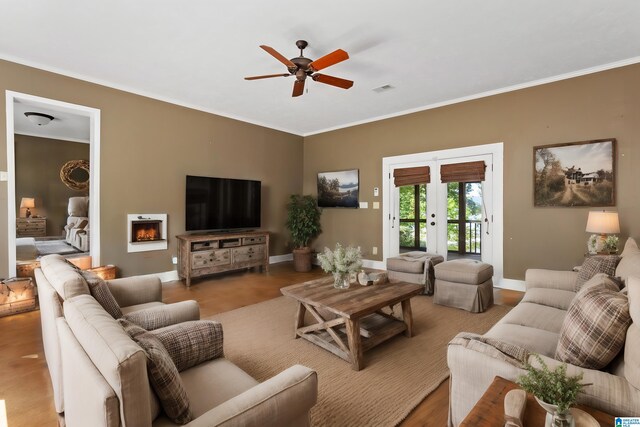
(465, 284)
(414, 267)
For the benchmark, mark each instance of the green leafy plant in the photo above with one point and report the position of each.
(341, 260)
(611, 244)
(552, 386)
(303, 219)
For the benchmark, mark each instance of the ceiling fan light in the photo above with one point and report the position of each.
(39, 119)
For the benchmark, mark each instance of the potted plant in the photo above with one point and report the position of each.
(303, 223)
(554, 390)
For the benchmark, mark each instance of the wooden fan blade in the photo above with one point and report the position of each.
(267, 76)
(329, 60)
(298, 88)
(333, 81)
(271, 51)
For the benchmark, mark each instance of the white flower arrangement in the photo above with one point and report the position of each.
(341, 260)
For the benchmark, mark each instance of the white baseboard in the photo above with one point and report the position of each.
(280, 258)
(511, 284)
(378, 265)
(165, 276)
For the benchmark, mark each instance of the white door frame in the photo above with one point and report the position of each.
(495, 209)
(94, 171)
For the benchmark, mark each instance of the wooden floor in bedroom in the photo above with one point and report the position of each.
(25, 387)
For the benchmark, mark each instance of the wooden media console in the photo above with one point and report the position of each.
(204, 254)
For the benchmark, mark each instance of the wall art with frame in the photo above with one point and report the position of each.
(575, 174)
(338, 189)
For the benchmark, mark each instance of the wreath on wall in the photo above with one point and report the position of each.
(72, 174)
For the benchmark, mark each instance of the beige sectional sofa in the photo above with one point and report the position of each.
(535, 325)
(99, 374)
(58, 280)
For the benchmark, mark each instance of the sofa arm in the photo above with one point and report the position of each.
(136, 290)
(283, 400)
(551, 279)
(609, 393)
(165, 315)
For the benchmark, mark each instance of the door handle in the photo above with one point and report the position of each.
(433, 223)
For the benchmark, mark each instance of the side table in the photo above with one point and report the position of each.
(489, 411)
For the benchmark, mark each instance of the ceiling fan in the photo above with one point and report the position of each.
(302, 68)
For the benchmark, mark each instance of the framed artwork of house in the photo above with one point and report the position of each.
(575, 174)
(338, 189)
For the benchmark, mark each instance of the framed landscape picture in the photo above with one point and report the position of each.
(338, 189)
(575, 174)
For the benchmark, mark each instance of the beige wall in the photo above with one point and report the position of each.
(147, 148)
(38, 164)
(602, 105)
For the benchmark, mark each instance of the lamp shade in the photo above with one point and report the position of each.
(27, 202)
(603, 222)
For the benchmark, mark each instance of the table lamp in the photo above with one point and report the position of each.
(28, 203)
(601, 223)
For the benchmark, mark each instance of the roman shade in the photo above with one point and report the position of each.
(411, 176)
(463, 172)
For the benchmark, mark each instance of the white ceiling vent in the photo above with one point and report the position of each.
(382, 88)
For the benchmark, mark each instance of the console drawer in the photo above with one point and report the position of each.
(248, 253)
(216, 257)
(254, 240)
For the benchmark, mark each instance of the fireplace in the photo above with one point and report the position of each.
(146, 232)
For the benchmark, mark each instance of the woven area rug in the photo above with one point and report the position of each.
(397, 376)
(48, 247)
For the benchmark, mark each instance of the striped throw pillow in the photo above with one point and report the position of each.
(191, 343)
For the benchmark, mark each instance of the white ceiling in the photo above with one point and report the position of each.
(64, 126)
(196, 53)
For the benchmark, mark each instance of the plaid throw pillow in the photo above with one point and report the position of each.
(594, 265)
(163, 375)
(595, 327)
(191, 343)
(99, 290)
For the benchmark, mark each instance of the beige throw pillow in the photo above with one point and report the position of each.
(595, 327)
(630, 260)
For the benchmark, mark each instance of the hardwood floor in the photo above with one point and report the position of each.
(25, 387)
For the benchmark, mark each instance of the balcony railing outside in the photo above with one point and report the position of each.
(470, 239)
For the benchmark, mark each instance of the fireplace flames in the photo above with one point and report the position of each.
(146, 231)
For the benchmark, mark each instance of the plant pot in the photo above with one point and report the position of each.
(554, 418)
(302, 259)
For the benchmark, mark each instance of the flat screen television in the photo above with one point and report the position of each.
(221, 204)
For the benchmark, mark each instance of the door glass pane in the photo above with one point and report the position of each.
(407, 202)
(453, 200)
(423, 235)
(407, 234)
(423, 201)
(452, 237)
(473, 193)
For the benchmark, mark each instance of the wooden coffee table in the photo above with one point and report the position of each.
(354, 315)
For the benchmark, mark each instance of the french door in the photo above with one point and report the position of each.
(418, 216)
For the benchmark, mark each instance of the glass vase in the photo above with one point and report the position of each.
(341, 280)
(555, 418)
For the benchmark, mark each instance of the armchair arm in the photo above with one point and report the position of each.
(550, 279)
(283, 400)
(165, 315)
(136, 290)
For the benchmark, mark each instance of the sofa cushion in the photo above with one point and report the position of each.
(63, 276)
(594, 265)
(100, 291)
(536, 316)
(139, 307)
(191, 343)
(556, 298)
(630, 261)
(163, 375)
(535, 340)
(632, 346)
(595, 327)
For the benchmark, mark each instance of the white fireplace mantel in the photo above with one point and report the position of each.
(154, 245)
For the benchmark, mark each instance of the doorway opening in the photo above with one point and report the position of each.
(14, 102)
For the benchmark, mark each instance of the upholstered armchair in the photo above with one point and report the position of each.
(76, 231)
